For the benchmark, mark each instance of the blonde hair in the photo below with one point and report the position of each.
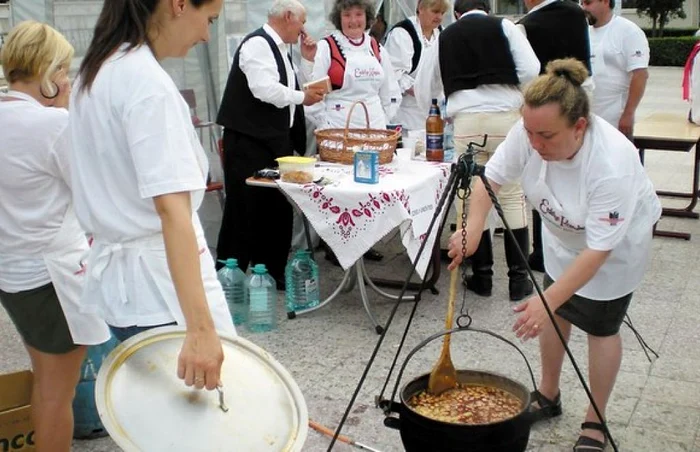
(561, 84)
(35, 52)
(442, 5)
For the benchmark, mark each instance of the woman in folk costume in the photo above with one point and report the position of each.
(691, 83)
(41, 242)
(359, 70)
(409, 44)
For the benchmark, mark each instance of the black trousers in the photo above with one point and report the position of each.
(257, 224)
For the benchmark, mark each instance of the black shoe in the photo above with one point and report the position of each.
(481, 280)
(536, 262)
(373, 255)
(479, 285)
(519, 290)
(519, 284)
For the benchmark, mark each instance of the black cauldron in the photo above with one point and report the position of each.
(423, 434)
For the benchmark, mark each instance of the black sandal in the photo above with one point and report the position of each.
(545, 408)
(587, 444)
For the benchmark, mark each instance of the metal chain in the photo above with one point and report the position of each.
(464, 319)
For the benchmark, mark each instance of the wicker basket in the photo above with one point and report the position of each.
(336, 145)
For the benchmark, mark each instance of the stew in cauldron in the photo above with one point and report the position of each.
(467, 404)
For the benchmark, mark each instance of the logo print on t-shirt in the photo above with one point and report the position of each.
(82, 269)
(637, 53)
(613, 218)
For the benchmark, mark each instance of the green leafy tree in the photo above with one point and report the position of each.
(660, 12)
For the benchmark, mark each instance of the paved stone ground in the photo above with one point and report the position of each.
(654, 407)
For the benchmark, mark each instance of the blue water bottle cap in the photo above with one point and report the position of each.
(259, 269)
(230, 262)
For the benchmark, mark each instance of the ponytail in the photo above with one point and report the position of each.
(121, 21)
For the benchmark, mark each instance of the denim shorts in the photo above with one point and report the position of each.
(595, 317)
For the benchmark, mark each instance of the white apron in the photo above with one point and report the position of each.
(363, 78)
(565, 226)
(410, 115)
(607, 105)
(123, 273)
(63, 259)
(564, 237)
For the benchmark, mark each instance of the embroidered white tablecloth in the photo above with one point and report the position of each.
(351, 217)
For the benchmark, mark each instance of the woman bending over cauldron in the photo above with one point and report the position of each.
(598, 207)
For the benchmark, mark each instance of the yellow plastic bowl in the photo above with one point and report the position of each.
(297, 170)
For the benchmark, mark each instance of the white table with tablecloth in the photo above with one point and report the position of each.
(351, 217)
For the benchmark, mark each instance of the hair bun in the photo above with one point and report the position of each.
(569, 68)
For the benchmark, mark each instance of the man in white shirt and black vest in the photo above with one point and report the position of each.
(263, 118)
(556, 29)
(481, 62)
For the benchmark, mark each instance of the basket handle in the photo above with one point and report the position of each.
(389, 405)
(347, 121)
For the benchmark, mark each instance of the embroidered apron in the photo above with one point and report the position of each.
(363, 79)
(566, 224)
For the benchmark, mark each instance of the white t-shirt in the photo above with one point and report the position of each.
(133, 140)
(617, 48)
(34, 190)
(399, 47)
(606, 187)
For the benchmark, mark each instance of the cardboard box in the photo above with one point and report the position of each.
(16, 429)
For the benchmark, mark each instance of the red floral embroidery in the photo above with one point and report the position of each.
(346, 217)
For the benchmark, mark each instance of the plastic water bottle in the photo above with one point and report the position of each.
(232, 280)
(448, 141)
(301, 282)
(262, 296)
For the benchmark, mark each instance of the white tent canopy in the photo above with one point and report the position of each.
(206, 67)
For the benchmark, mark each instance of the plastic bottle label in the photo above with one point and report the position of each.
(258, 300)
(433, 142)
(311, 289)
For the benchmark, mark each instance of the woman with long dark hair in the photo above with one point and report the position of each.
(139, 175)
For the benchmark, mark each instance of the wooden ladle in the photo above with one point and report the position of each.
(444, 375)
